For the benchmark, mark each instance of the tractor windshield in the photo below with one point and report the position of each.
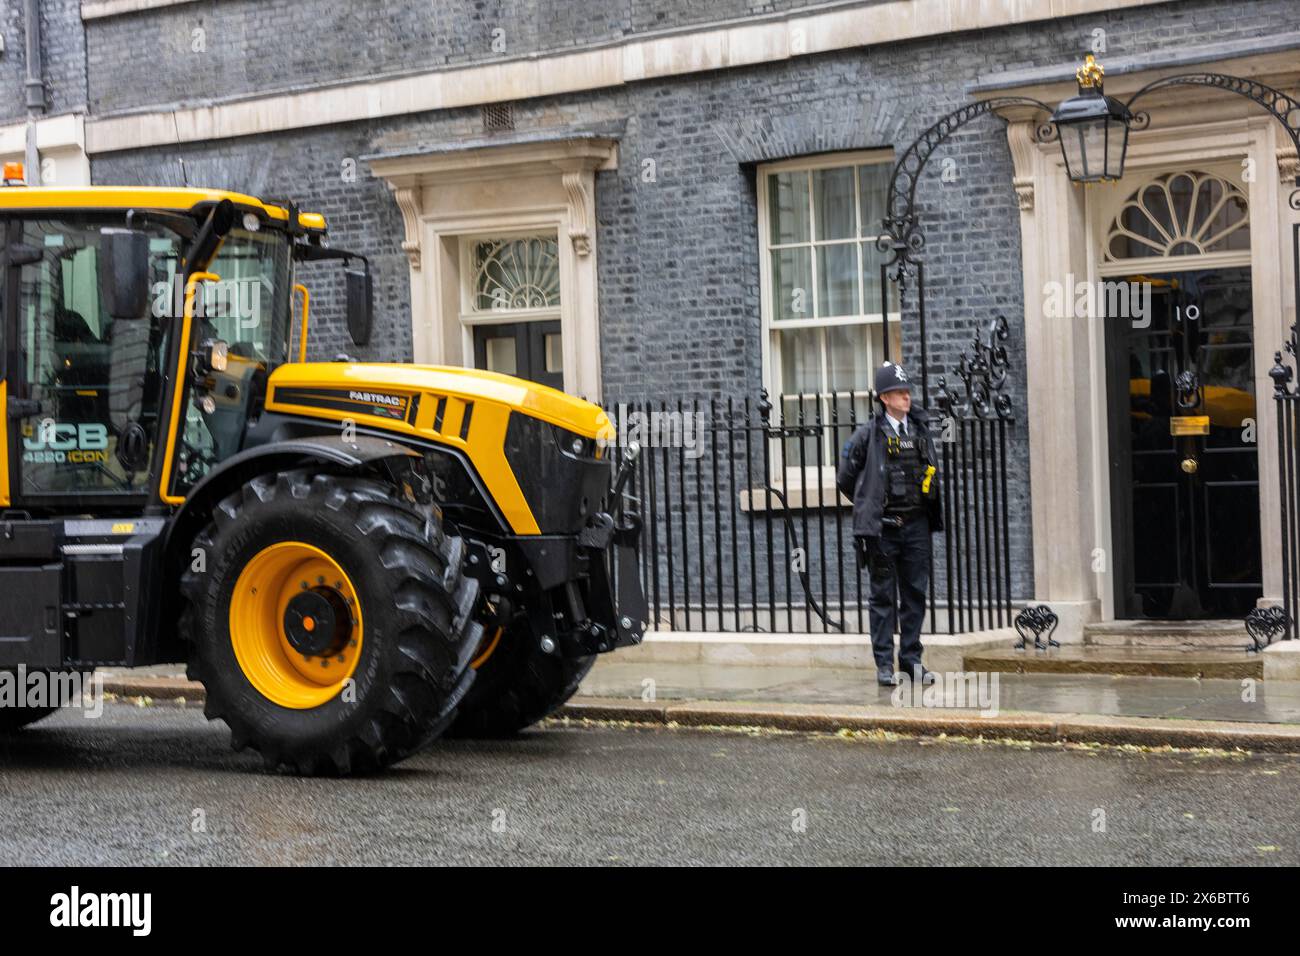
(249, 307)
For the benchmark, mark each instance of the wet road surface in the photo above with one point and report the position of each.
(159, 785)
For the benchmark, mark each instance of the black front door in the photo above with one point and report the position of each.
(528, 350)
(1184, 463)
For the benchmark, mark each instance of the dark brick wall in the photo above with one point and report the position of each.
(64, 41)
(257, 45)
(13, 63)
(64, 48)
(678, 258)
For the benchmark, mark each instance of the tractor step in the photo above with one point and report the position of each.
(70, 603)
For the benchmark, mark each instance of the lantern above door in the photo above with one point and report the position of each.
(1093, 129)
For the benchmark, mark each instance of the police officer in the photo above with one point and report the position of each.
(888, 470)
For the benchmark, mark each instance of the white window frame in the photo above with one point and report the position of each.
(470, 316)
(783, 474)
(1107, 216)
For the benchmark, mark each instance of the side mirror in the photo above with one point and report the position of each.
(124, 272)
(361, 304)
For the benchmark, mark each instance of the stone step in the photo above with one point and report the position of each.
(1172, 635)
(1127, 661)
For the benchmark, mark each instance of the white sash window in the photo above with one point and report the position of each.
(823, 312)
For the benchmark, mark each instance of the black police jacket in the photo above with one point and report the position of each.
(861, 475)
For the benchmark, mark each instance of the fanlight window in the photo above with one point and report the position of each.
(514, 275)
(1181, 214)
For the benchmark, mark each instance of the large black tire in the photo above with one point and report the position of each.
(15, 718)
(517, 685)
(419, 632)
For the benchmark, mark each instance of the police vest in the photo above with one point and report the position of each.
(904, 470)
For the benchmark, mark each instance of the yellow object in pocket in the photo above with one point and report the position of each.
(925, 482)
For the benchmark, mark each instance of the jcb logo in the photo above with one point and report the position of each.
(60, 436)
(59, 442)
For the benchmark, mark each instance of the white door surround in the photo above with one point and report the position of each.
(508, 189)
(1063, 226)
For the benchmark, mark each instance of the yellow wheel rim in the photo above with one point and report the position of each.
(295, 625)
(486, 648)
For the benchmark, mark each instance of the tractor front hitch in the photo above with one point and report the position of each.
(581, 593)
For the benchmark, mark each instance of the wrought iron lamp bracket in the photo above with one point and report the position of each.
(901, 237)
(1285, 109)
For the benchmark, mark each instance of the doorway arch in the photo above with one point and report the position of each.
(1177, 220)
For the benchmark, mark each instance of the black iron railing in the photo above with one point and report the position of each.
(744, 529)
(1286, 399)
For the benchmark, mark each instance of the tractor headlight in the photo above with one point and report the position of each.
(577, 446)
(219, 356)
(213, 355)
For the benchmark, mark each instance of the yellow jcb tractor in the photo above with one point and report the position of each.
(352, 558)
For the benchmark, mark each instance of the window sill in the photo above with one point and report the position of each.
(797, 498)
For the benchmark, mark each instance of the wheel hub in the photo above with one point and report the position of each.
(317, 622)
(296, 625)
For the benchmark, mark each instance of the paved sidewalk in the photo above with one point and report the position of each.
(1276, 702)
(1046, 708)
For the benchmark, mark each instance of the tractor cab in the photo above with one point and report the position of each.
(102, 290)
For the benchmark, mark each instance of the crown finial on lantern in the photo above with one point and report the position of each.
(1090, 74)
